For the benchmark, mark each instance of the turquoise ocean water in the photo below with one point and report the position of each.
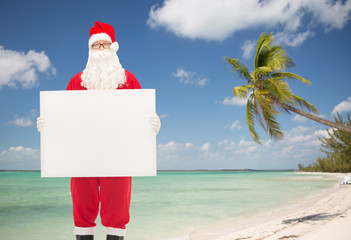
(165, 207)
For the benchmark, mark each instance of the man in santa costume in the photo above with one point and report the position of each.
(103, 71)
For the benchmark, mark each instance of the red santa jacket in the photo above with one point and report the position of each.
(131, 83)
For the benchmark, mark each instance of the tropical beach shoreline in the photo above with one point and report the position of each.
(180, 205)
(323, 215)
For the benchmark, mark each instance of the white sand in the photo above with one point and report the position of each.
(323, 216)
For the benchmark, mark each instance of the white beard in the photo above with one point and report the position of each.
(103, 71)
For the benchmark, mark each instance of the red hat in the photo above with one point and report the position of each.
(103, 31)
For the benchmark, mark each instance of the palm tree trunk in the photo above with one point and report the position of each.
(315, 118)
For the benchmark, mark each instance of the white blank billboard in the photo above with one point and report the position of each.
(98, 133)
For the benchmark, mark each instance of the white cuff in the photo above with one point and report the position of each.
(116, 231)
(84, 230)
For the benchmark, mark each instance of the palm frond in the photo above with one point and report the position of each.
(250, 119)
(307, 105)
(239, 68)
(262, 71)
(262, 104)
(258, 112)
(278, 59)
(267, 114)
(271, 55)
(242, 91)
(273, 126)
(263, 44)
(291, 76)
(279, 89)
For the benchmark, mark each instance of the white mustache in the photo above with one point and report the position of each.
(101, 54)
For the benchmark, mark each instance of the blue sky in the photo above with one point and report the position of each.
(178, 48)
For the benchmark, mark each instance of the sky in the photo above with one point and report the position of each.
(178, 47)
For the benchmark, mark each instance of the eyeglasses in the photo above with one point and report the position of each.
(98, 45)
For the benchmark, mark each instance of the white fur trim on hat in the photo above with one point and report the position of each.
(99, 37)
(114, 46)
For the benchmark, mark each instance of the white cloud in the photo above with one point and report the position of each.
(248, 48)
(302, 136)
(205, 147)
(227, 144)
(300, 145)
(163, 115)
(189, 145)
(344, 106)
(169, 147)
(214, 157)
(234, 101)
(267, 143)
(26, 121)
(18, 68)
(247, 151)
(16, 150)
(235, 125)
(20, 158)
(299, 118)
(323, 133)
(218, 20)
(191, 78)
(287, 150)
(332, 14)
(172, 146)
(292, 39)
(298, 130)
(22, 122)
(244, 143)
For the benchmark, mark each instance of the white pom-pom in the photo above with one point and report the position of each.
(114, 46)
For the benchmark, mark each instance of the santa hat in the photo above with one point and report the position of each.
(103, 31)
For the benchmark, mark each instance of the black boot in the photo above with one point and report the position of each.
(84, 237)
(113, 237)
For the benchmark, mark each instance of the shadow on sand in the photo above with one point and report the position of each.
(314, 217)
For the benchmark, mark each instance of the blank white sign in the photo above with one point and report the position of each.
(98, 133)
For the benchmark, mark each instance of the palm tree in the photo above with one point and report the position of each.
(268, 92)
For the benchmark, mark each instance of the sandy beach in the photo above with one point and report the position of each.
(324, 215)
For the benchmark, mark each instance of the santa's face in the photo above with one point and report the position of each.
(103, 70)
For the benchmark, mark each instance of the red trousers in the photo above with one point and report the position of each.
(112, 192)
